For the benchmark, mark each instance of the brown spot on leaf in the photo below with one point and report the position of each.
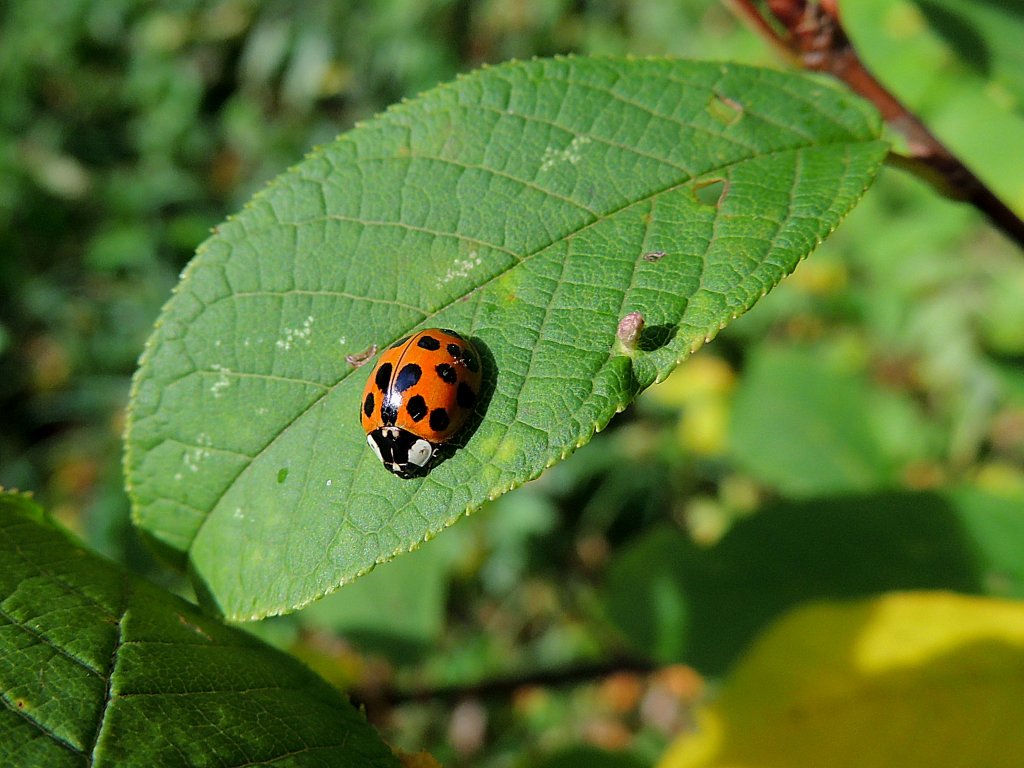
(359, 359)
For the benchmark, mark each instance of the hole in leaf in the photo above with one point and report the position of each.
(654, 337)
(710, 191)
(727, 111)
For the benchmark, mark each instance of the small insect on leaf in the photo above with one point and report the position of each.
(359, 359)
(418, 396)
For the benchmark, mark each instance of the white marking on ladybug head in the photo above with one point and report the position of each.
(376, 448)
(420, 453)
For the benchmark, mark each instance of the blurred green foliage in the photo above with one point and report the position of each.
(128, 129)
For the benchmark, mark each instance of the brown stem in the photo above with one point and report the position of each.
(811, 33)
(503, 686)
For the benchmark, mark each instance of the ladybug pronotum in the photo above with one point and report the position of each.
(418, 396)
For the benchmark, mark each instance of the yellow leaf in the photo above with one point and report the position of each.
(906, 680)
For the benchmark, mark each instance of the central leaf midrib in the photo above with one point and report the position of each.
(108, 694)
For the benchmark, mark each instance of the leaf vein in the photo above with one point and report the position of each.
(38, 725)
(44, 640)
(108, 694)
(322, 292)
(229, 373)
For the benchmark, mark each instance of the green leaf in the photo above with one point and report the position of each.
(531, 206)
(591, 757)
(995, 522)
(965, 106)
(986, 36)
(676, 601)
(100, 668)
(397, 610)
(808, 425)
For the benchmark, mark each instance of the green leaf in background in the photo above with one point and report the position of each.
(397, 610)
(531, 206)
(807, 424)
(100, 668)
(676, 601)
(591, 757)
(956, 65)
(986, 35)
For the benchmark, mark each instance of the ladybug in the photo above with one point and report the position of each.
(418, 396)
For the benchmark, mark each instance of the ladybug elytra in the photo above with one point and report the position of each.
(418, 397)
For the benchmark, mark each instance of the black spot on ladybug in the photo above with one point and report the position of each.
(429, 343)
(450, 332)
(465, 396)
(416, 407)
(368, 405)
(447, 373)
(407, 377)
(389, 410)
(400, 342)
(439, 420)
(383, 377)
(464, 357)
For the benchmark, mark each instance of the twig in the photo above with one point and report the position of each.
(811, 34)
(503, 686)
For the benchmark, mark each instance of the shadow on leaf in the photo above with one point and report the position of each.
(679, 602)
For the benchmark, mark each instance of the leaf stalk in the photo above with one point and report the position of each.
(811, 35)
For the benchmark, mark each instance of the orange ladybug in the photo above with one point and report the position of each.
(418, 396)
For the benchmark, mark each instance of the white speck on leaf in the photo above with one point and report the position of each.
(461, 268)
(198, 453)
(571, 154)
(294, 336)
(222, 382)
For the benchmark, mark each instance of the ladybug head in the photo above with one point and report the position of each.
(400, 451)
